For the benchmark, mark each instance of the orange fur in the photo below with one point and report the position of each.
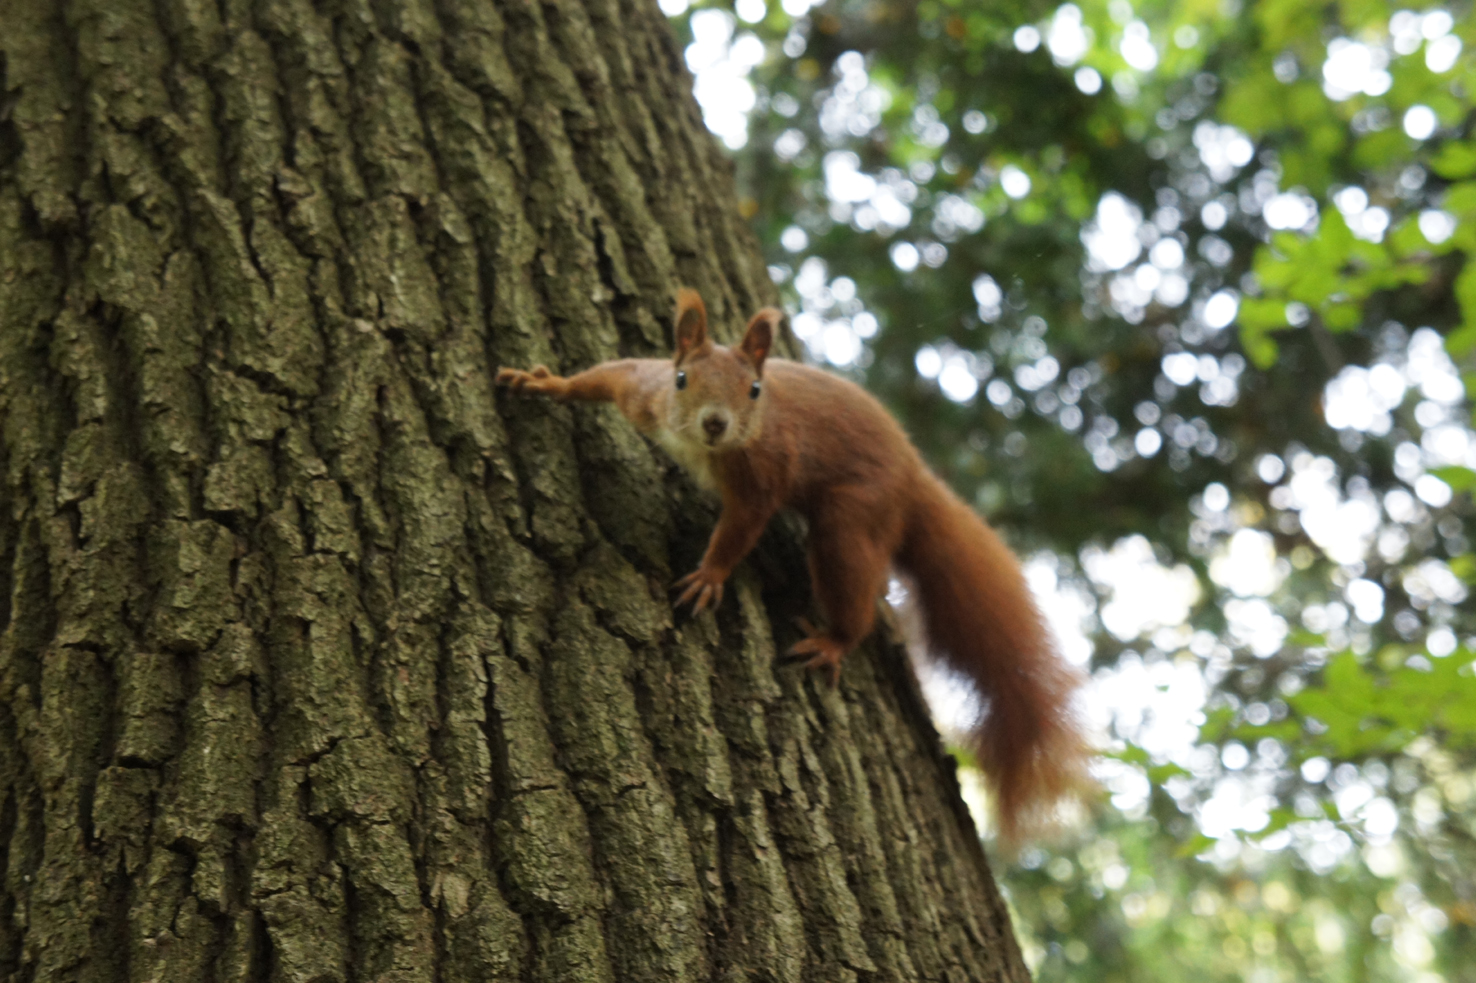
(825, 447)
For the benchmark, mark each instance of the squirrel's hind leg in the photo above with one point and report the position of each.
(848, 569)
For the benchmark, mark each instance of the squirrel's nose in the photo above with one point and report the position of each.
(714, 425)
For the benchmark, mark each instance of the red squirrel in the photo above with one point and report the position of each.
(767, 434)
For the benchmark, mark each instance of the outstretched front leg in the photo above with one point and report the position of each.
(636, 386)
(539, 382)
(603, 383)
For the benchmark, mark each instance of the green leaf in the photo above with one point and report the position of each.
(1455, 160)
(1463, 340)
(1216, 726)
(1132, 754)
(1305, 638)
(1340, 317)
(1281, 818)
(1158, 774)
(1406, 238)
(1458, 478)
(1460, 199)
(1195, 845)
(1258, 317)
(1378, 713)
(1286, 731)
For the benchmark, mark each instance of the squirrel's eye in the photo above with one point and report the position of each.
(681, 380)
(753, 390)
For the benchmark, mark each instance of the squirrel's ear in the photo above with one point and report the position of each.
(760, 337)
(691, 323)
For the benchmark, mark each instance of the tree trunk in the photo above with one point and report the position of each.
(321, 661)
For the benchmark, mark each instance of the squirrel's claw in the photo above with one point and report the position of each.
(825, 654)
(540, 381)
(703, 588)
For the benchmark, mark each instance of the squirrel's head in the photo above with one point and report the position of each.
(718, 396)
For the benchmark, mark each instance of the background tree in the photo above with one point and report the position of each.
(318, 665)
(1180, 293)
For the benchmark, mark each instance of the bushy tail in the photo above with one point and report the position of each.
(983, 623)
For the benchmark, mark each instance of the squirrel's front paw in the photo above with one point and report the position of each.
(539, 382)
(703, 587)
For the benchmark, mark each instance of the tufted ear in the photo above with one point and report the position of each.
(760, 336)
(691, 324)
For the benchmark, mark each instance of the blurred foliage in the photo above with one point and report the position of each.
(1186, 281)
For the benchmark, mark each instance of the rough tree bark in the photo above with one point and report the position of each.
(322, 662)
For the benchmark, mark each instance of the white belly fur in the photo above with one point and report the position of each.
(694, 459)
